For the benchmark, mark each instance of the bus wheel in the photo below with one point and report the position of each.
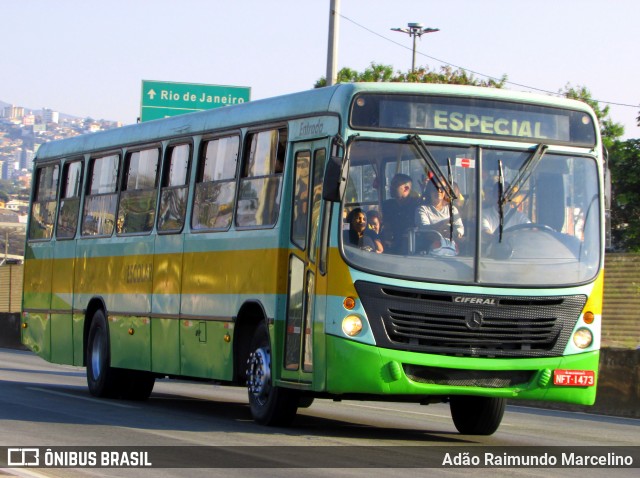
(101, 378)
(269, 405)
(477, 415)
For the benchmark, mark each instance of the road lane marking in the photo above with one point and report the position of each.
(70, 395)
(398, 410)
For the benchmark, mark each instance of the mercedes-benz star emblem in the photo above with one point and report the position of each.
(474, 321)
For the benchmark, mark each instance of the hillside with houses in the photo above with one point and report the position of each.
(22, 131)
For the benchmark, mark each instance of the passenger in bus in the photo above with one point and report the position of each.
(374, 227)
(399, 214)
(357, 235)
(435, 213)
(491, 211)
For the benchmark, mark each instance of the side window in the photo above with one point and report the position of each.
(43, 208)
(175, 188)
(136, 213)
(319, 160)
(216, 184)
(98, 218)
(69, 200)
(260, 184)
(300, 210)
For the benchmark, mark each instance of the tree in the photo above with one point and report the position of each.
(609, 130)
(624, 162)
(384, 73)
(449, 76)
(624, 156)
(8, 187)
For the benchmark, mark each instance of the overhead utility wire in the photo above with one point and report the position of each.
(472, 71)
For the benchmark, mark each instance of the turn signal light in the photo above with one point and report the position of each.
(588, 317)
(349, 303)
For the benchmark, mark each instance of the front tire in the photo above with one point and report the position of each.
(270, 405)
(477, 415)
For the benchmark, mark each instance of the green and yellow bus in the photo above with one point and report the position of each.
(422, 243)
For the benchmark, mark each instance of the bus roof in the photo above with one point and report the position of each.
(334, 99)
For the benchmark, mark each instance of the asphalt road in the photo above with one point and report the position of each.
(45, 405)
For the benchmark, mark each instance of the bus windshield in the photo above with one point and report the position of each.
(471, 214)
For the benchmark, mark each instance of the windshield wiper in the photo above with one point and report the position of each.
(501, 198)
(525, 171)
(523, 175)
(439, 177)
(450, 180)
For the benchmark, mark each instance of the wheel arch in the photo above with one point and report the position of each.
(250, 315)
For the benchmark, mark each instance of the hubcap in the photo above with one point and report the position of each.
(259, 373)
(96, 356)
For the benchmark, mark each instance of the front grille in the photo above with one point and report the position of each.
(468, 378)
(469, 325)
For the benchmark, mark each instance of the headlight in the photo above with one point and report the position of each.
(582, 338)
(352, 325)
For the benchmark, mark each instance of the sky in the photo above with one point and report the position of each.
(89, 57)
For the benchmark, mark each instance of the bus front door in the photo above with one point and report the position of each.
(304, 304)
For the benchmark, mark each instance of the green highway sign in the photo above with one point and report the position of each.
(161, 99)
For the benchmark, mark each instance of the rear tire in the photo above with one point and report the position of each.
(477, 415)
(105, 381)
(102, 380)
(270, 405)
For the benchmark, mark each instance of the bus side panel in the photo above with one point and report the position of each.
(216, 283)
(36, 333)
(62, 344)
(123, 283)
(38, 269)
(62, 339)
(78, 338)
(167, 284)
(165, 346)
(205, 352)
(130, 342)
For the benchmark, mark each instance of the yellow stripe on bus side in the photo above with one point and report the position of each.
(263, 271)
(594, 303)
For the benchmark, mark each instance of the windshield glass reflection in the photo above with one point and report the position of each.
(490, 216)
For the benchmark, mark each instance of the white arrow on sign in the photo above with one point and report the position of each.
(151, 94)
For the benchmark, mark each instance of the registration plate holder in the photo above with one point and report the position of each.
(574, 378)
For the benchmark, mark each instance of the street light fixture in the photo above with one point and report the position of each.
(415, 30)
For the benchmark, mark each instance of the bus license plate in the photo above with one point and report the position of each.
(574, 378)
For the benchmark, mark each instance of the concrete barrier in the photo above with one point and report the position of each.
(10, 331)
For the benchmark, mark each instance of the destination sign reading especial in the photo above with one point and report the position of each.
(161, 99)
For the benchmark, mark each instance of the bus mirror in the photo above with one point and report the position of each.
(335, 179)
(335, 175)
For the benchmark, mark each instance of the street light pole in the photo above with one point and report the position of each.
(9, 231)
(415, 30)
(332, 49)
